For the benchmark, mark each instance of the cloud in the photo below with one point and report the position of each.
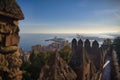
(35, 24)
(75, 27)
(105, 11)
(111, 16)
(117, 13)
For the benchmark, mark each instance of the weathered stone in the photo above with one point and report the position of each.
(74, 51)
(10, 9)
(74, 43)
(12, 40)
(84, 61)
(87, 46)
(96, 55)
(9, 49)
(15, 22)
(14, 60)
(86, 65)
(14, 63)
(3, 63)
(10, 62)
(115, 70)
(80, 43)
(2, 23)
(56, 69)
(80, 61)
(79, 53)
(9, 28)
(5, 29)
(0, 39)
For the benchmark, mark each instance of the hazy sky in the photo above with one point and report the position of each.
(70, 16)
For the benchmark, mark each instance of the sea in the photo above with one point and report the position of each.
(27, 40)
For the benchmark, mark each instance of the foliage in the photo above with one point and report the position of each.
(107, 42)
(25, 66)
(65, 53)
(31, 70)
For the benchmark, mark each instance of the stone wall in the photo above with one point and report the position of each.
(10, 62)
(87, 60)
(9, 40)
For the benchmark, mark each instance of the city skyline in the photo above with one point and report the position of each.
(68, 16)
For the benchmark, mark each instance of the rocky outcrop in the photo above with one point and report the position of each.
(10, 62)
(56, 68)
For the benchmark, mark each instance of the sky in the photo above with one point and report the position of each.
(70, 16)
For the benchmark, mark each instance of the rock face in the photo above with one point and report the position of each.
(10, 62)
(56, 69)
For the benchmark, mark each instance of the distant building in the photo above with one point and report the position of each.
(24, 55)
(51, 47)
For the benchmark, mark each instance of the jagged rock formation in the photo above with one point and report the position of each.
(56, 69)
(10, 62)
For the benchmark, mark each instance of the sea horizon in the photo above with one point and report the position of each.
(27, 40)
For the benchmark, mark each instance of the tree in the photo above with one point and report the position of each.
(107, 42)
(31, 70)
(65, 53)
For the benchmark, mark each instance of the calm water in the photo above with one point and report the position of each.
(28, 40)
